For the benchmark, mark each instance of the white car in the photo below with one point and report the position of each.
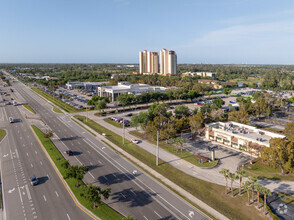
(135, 141)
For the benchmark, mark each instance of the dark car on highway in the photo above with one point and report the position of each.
(69, 152)
(34, 180)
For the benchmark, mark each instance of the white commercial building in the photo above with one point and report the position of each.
(84, 85)
(202, 74)
(240, 136)
(112, 92)
(168, 62)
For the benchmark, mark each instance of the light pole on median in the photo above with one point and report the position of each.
(123, 131)
(87, 114)
(157, 149)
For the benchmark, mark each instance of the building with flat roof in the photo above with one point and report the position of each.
(202, 74)
(148, 62)
(112, 92)
(168, 62)
(84, 85)
(240, 136)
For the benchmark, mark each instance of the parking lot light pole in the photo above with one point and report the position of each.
(157, 149)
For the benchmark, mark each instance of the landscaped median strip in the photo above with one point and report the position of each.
(56, 159)
(29, 108)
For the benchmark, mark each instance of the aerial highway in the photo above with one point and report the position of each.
(132, 190)
(22, 156)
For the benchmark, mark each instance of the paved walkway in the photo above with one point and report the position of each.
(207, 174)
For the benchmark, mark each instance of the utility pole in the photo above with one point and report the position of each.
(157, 149)
(87, 114)
(123, 131)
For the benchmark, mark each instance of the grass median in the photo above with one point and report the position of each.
(2, 134)
(56, 110)
(56, 101)
(29, 108)
(104, 212)
(211, 194)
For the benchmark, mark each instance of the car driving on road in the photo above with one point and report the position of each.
(34, 180)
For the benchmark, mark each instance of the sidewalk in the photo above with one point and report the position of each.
(207, 174)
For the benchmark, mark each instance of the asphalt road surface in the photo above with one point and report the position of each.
(133, 191)
(22, 156)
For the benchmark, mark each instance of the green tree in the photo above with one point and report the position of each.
(94, 193)
(240, 116)
(247, 187)
(279, 154)
(182, 111)
(232, 177)
(196, 122)
(100, 105)
(289, 131)
(76, 172)
(226, 91)
(128, 217)
(259, 189)
(225, 172)
(241, 174)
(218, 102)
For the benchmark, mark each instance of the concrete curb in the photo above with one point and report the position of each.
(178, 189)
(78, 204)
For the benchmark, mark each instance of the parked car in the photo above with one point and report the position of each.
(130, 114)
(34, 180)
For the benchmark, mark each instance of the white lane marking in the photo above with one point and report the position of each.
(41, 162)
(44, 198)
(36, 152)
(88, 152)
(32, 165)
(114, 175)
(123, 195)
(91, 175)
(56, 194)
(105, 178)
(48, 176)
(28, 192)
(157, 214)
(133, 192)
(27, 154)
(67, 216)
(11, 190)
(145, 217)
(20, 195)
(17, 155)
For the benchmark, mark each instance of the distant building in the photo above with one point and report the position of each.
(168, 62)
(112, 92)
(91, 86)
(202, 74)
(214, 83)
(240, 136)
(148, 62)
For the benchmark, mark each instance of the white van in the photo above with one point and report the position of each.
(10, 119)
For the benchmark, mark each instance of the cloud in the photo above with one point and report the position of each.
(254, 33)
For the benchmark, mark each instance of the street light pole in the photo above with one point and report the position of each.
(123, 131)
(87, 114)
(157, 149)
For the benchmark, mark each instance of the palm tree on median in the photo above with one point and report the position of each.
(253, 181)
(247, 188)
(258, 188)
(225, 172)
(241, 174)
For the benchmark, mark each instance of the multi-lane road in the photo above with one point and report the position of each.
(133, 191)
(21, 156)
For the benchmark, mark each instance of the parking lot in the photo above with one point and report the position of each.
(229, 158)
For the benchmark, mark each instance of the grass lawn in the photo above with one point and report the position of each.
(211, 194)
(56, 101)
(114, 123)
(172, 149)
(104, 212)
(262, 171)
(29, 108)
(247, 81)
(56, 110)
(2, 134)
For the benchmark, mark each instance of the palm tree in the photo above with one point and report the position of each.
(241, 174)
(232, 177)
(247, 187)
(266, 192)
(225, 173)
(93, 194)
(258, 188)
(253, 181)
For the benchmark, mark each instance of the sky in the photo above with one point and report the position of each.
(114, 31)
